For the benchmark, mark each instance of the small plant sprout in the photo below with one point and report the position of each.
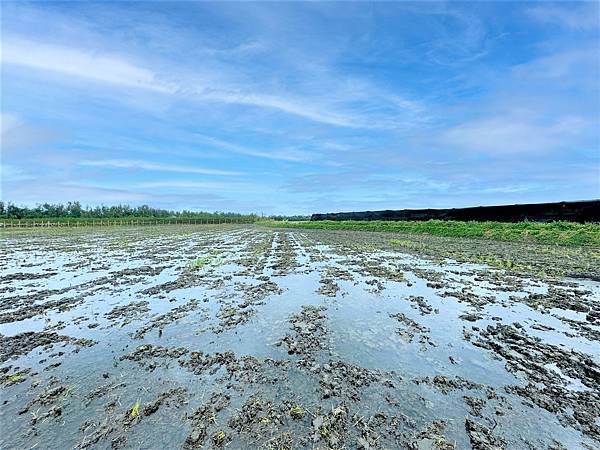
(265, 421)
(15, 378)
(70, 389)
(219, 437)
(297, 412)
(135, 411)
(199, 263)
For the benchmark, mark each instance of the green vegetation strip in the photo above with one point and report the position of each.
(559, 233)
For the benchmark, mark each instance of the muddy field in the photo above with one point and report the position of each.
(246, 337)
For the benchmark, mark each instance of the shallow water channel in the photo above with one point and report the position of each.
(244, 337)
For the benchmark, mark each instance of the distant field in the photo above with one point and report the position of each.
(560, 233)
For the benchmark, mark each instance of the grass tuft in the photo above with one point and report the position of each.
(219, 437)
(297, 412)
(135, 411)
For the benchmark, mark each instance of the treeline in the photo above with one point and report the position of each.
(74, 210)
(296, 218)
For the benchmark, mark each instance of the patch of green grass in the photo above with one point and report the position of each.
(15, 378)
(500, 263)
(199, 262)
(324, 431)
(405, 243)
(212, 260)
(555, 233)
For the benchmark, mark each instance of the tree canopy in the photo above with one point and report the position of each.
(75, 210)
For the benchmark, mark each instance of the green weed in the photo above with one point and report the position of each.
(199, 262)
(69, 390)
(15, 378)
(203, 261)
(297, 412)
(405, 243)
(135, 411)
(219, 437)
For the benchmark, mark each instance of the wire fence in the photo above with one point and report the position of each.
(28, 223)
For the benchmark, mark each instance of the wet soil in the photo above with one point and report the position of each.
(243, 337)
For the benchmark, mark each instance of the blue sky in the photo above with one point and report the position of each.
(300, 107)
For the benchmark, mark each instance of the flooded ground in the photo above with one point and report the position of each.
(245, 337)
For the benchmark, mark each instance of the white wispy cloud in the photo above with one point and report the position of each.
(11, 173)
(504, 135)
(284, 155)
(160, 167)
(222, 87)
(211, 186)
(90, 194)
(459, 38)
(577, 15)
(583, 62)
(17, 135)
(9, 122)
(296, 107)
(80, 63)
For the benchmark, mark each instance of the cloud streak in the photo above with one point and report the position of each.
(78, 63)
(120, 71)
(159, 167)
(508, 135)
(578, 15)
(283, 155)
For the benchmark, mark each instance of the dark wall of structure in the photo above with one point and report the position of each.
(584, 211)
